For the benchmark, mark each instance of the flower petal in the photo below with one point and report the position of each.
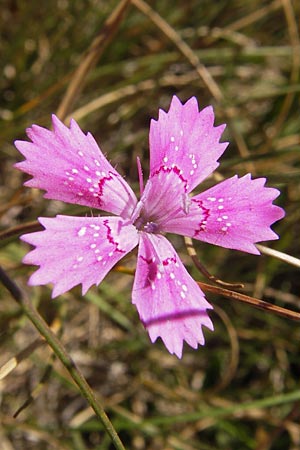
(186, 139)
(164, 197)
(235, 213)
(170, 303)
(70, 166)
(74, 250)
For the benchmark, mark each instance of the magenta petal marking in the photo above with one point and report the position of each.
(74, 250)
(70, 166)
(186, 138)
(170, 303)
(236, 213)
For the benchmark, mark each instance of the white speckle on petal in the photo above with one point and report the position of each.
(91, 189)
(181, 132)
(221, 200)
(96, 162)
(172, 276)
(86, 168)
(80, 153)
(98, 173)
(172, 139)
(211, 199)
(99, 258)
(93, 246)
(182, 294)
(158, 275)
(165, 159)
(224, 217)
(224, 228)
(79, 258)
(89, 180)
(176, 148)
(191, 172)
(82, 231)
(160, 267)
(74, 171)
(184, 288)
(96, 234)
(220, 207)
(219, 219)
(80, 194)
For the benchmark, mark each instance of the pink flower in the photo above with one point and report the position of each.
(184, 149)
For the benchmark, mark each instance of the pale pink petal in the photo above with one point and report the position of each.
(186, 139)
(164, 196)
(236, 213)
(74, 250)
(170, 303)
(70, 167)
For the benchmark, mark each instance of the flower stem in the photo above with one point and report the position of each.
(27, 227)
(256, 302)
(62, 354)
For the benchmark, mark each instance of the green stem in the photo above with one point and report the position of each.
(62, 354)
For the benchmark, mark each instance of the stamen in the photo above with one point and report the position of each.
(140, 172)
(186, 202)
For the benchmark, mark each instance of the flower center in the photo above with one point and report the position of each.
(143, 224)
(141, 220)
(139, 217)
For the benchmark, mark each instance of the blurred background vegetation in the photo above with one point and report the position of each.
(241, 390)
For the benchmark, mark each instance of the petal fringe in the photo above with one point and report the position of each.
(74, 250)
(170, 303)
(186, 139)
(70, 167)
(236, 214)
